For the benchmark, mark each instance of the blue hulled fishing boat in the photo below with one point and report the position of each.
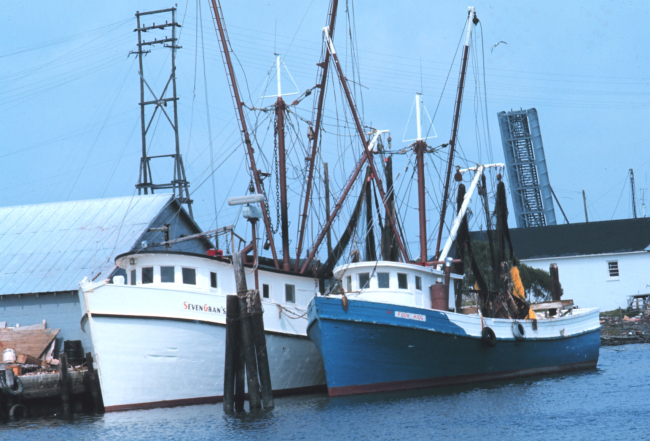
(398, 323)
(382, 339)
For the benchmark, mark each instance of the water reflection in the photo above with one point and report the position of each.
(609, 402)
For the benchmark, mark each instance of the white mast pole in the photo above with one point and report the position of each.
(279, 76)
(463, 208)
(417, 115)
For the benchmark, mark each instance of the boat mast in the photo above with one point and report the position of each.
(364, 141)
(319, 114)
(454, 131)
(420, 148)
(280, 107)
(230, 74)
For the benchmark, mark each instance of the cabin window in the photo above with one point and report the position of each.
(189, 276)
(418, 283)
(364, 280)
(290, 293)
(402, 281)
(167, 274)
(348, 283)
(213, 280)
(383, 280)
(613, 268)
(134, 277)
(147, 275)
(265, 291)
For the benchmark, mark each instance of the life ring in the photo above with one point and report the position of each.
(17, 412)
(488, 337)
(518, 331)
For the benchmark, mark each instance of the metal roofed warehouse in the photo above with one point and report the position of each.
(47, 249)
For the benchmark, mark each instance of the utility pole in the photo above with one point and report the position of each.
(179, 184)
(633, 195)
(584, 199)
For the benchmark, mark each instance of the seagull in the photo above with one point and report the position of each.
(504, 42)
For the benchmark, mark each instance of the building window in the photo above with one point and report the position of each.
(189, 276)
(383, 280)
(265, 291)
(290, 293)
(402, 281)
(364, 280)
(147, 275)
(613, 268)
(134, 277)
(418, 283)
(167, 274)
(213, 280)
(348, 283)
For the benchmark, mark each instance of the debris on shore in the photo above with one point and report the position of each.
(625, 327)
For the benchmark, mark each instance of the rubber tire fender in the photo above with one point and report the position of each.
(8, 391)
(488, 337)
(518, 331)
(22, 413)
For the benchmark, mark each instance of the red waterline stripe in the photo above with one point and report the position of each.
(211, 400)
(455, 380)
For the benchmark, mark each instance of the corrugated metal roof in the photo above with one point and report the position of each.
(52, 247)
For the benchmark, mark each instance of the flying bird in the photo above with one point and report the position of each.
(504, 42)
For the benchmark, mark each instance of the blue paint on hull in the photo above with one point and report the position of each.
(368, 349)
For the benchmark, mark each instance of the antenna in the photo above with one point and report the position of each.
(633, 195)
(419, 106)
(278, 72)
(179, 184)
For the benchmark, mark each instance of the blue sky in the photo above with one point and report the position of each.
(69, 92)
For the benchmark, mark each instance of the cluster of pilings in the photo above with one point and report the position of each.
(246, 354)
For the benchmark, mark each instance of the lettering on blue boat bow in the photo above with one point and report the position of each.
(408, 315)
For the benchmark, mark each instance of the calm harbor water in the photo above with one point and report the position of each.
(611, 402)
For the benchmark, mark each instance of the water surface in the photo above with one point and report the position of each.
(610, 402)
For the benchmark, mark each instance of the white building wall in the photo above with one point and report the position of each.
(586, 279)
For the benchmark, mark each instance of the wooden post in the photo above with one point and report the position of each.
(262, 354)
(63, 382)
(95, 391)
(555, 286)
(232, 316)
(240, 373)
(247, 340)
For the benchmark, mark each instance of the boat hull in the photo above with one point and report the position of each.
(151, 362)
(375, 347)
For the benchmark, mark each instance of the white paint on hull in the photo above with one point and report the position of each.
(144, 360)
(158, 343)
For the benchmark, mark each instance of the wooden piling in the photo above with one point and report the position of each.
(63, 380)
(556, 292)
(240, 373)
(262, 354)
(247, 339)
(232, 321)
(93, 384)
